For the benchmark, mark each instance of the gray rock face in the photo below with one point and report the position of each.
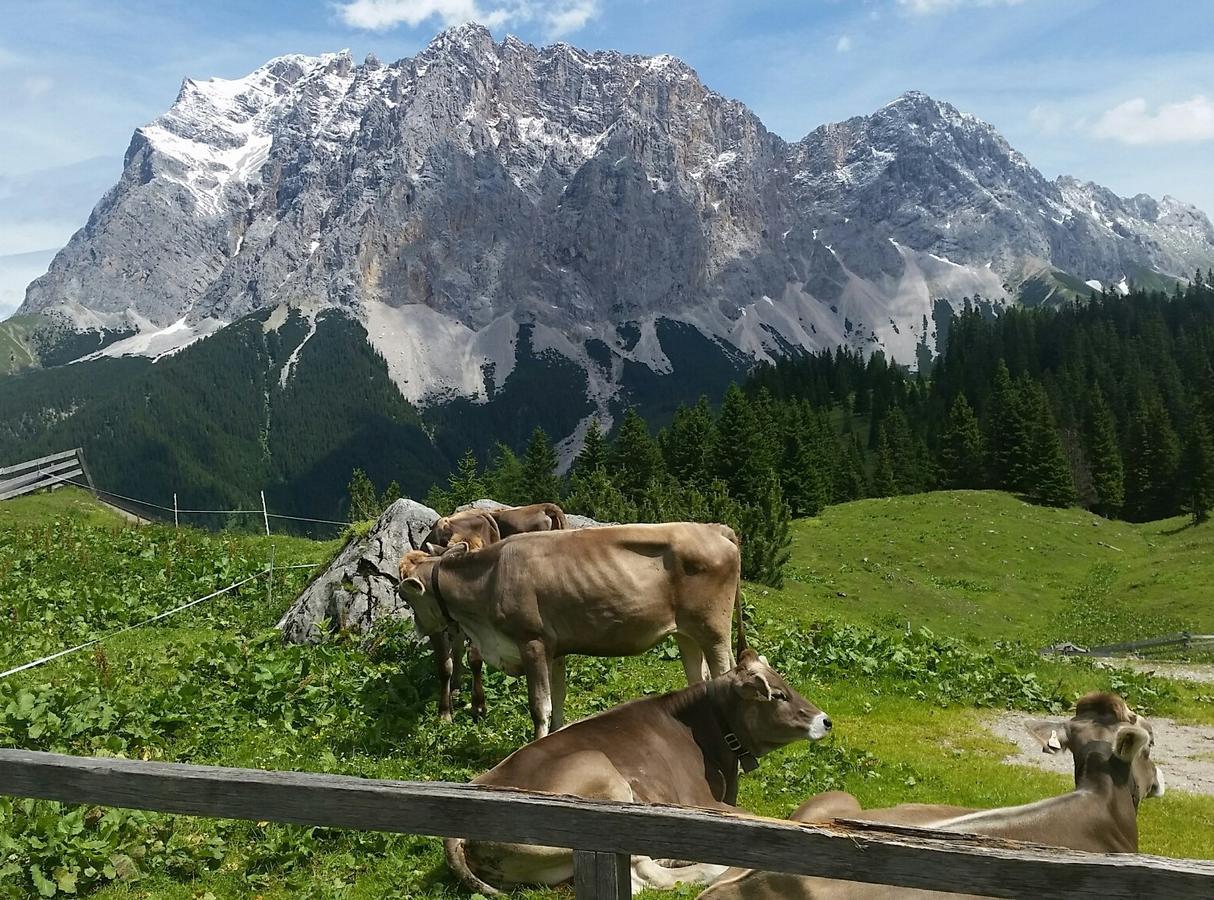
(359, 587)
(446, 198)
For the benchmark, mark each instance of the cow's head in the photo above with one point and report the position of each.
(1106, 738)
(416, 579)
(767, 712)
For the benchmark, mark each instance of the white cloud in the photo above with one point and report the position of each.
(1133, 122)
(37, 86)
(843, 45)
(556, 17)
(932, 7)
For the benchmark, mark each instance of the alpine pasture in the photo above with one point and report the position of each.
(908, 619)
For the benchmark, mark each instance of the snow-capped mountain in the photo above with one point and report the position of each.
(595, 200)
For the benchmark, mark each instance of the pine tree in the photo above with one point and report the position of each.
(391, 494)
(592, 493)
(744, 450)
(1152, 460)
(540, 481)
(883, 482)
(689, 444)
(594, 450)
(504, 482)
(961, 455)
(635, 458)
(1104, 456)
(851, 480)
(1197, 470)
(766, 535)
(364, 504)
(1049, 479)
(1006, 434)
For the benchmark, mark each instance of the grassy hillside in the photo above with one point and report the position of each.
(16, 344)
(215, 685)
(987, 566)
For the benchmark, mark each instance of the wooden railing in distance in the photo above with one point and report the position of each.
(47, 471)
(603, 834)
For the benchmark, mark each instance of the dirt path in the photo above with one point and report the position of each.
(1200, 672)
(1184, 752)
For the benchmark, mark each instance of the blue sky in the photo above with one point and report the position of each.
(1116, 91)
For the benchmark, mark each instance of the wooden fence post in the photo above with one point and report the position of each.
(264, 514)
(602, 876)
(175, 522)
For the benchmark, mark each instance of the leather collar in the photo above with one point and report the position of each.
(438, 593)
(747, 760)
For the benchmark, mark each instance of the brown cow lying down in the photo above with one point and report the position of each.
(1113, 771)
(530, 599)
(475, 527)
(683, 748)
(525, 519)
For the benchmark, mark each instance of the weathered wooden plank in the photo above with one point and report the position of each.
(911, 858)
(17, 481)
(45, 480)
(34, 463)
(602, 876)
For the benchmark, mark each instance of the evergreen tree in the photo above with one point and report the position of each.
(505, 482)
(1197, 470)
(744, 450)
(364, 504)
(1049, 479)
(766, 535)
(464, 485)
(883, 482)
(540, 481)
(961, 455)
(592, 493)
(391, 494)
(851, 481)
(594, 450)
(1104, 456)
(1007, 434)
(1152, 459)
(636, 460)
(689, 445)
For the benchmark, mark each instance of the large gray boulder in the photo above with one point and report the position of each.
(359, 587)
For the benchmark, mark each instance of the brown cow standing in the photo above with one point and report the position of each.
(683, 748)
(531, 599)
(1113, 772)
(478, 528)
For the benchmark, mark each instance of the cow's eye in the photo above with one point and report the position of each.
(779, 695)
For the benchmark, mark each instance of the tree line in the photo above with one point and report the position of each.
(1107, 403)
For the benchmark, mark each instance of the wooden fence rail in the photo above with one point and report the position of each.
(47, 471)
(603, 834)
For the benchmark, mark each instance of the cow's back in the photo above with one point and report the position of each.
(616, 590)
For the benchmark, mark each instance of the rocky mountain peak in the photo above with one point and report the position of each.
(449, 200)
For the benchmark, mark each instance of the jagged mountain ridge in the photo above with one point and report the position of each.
(445, 199)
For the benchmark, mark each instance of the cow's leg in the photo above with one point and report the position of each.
(440, 646)
(556, 673)
(456, 638)
(539, 692)
(692, 656)
(719, 656)
(478, 682)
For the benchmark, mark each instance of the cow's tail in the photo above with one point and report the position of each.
(737, 595)
(457, 861)
(737, 608)
(557, 516)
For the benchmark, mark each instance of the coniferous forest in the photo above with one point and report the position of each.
(1107, 403)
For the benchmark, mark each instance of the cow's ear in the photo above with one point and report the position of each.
(432, 549)
(747, 658)
(413, 585)
(753, 686)
(454, 550)
(1130, 741)
(1051, 734)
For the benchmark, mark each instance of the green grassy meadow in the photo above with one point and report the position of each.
(982, 579)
